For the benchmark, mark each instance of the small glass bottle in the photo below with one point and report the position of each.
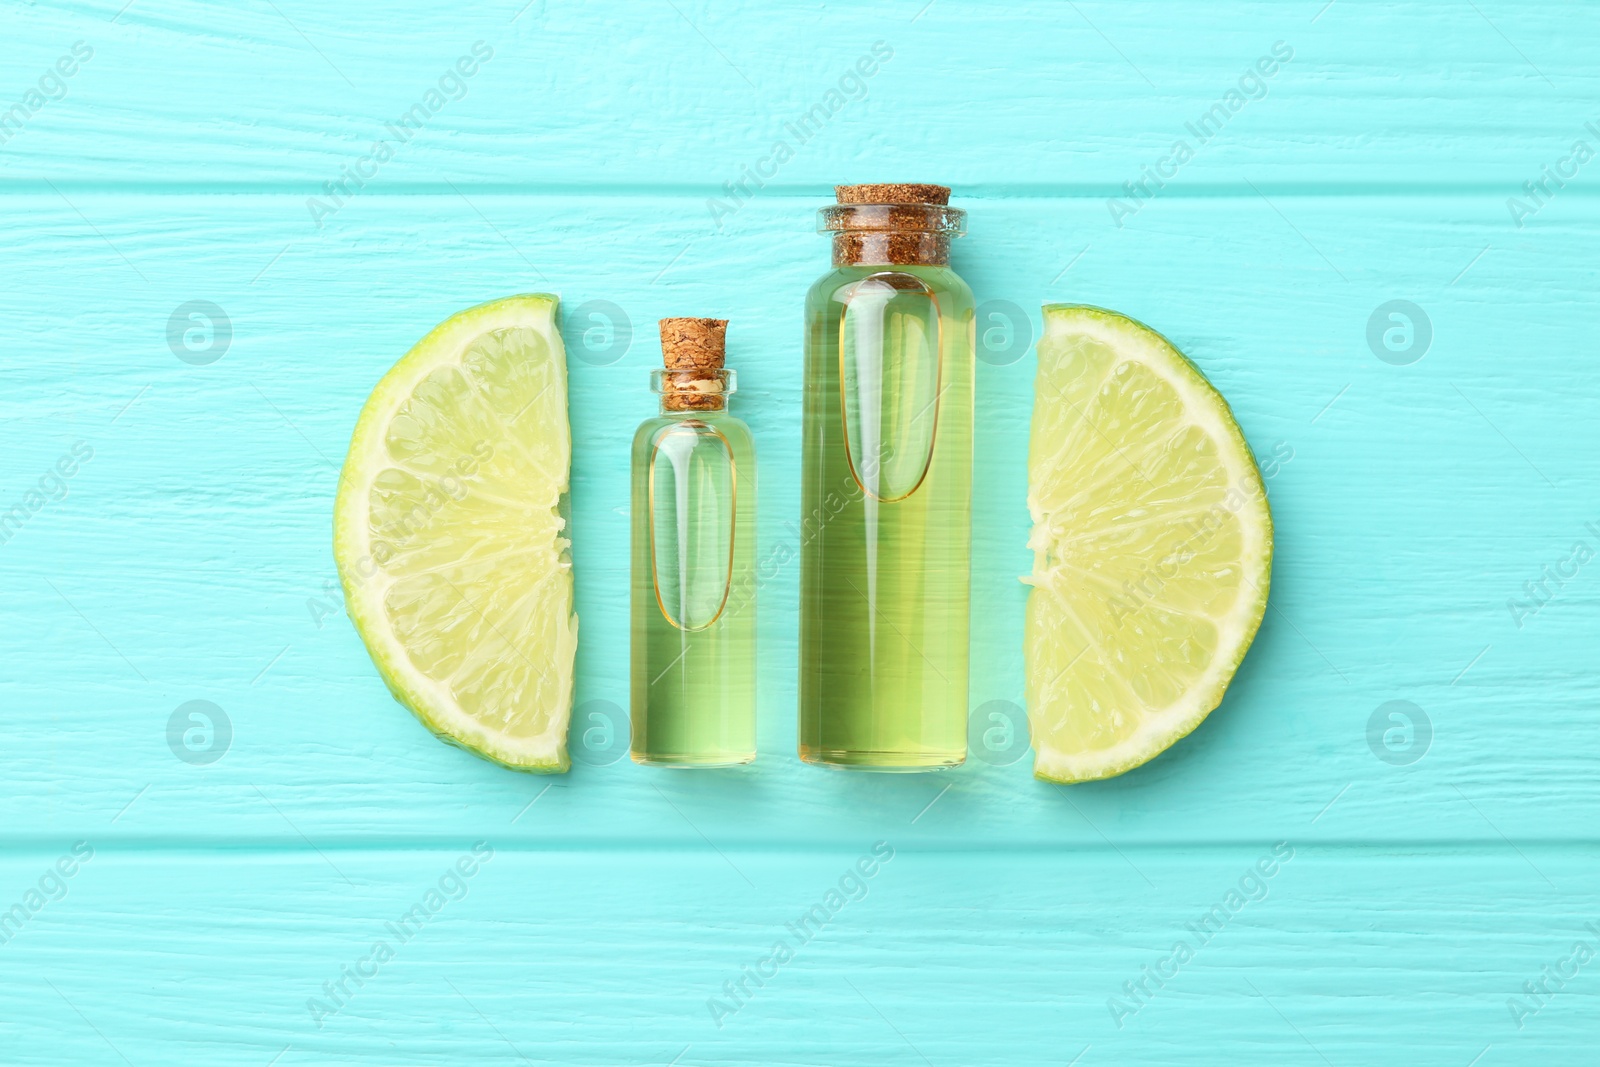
(693, 691)
(886, 486)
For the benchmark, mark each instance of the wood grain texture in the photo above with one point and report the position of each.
(640, 94)
(189, 558)
(983, 959)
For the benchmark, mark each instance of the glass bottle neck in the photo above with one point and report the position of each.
(890, 249)
(688, 392)
(891, 235)
(704, 406)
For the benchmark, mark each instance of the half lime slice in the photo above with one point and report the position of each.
(1152, 546)
(450, 538)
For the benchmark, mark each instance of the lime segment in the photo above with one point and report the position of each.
(1152, 546)
(450, 538)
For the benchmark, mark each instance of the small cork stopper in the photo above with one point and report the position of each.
(694, 344)
(892, 193)
(689, 346)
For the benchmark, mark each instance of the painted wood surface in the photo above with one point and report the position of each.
(1430, 510)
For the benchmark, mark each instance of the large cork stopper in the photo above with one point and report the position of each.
(901, 224)
(892, 193)
(693, 351)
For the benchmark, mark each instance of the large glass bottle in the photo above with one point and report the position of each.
(693, 648)
(887, 487)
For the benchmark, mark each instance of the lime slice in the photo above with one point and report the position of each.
(1152, 546)
(448, 533)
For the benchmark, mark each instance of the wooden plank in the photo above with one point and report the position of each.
(191, 555)
(1336, 956)
(1381, 95)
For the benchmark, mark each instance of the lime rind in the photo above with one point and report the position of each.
(1150, 713)
(367, 583)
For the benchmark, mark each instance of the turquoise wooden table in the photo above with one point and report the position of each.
(1380, 849)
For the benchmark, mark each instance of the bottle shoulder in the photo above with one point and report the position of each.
(647, 431)
(737, 433)
(943, 280)
(735, 429)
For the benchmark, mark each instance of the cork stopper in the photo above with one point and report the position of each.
(693, 352)
(694, 344)
(892, 223)
(892, 193)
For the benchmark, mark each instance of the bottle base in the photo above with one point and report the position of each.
(683, 762)
(885, 762)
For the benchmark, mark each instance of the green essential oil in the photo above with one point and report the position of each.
(886, 496)
(693, 589)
